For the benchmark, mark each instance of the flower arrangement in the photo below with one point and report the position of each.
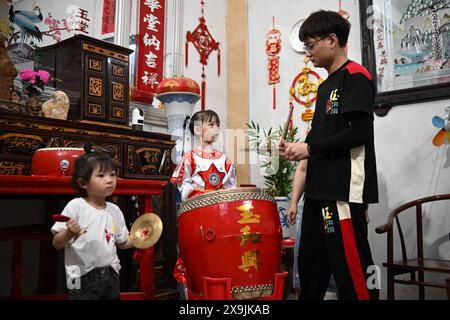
(33, 81)
(278, 172)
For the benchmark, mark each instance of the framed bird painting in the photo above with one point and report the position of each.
(32, 24)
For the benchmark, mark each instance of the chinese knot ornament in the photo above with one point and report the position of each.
(273, 48)
(204, 43)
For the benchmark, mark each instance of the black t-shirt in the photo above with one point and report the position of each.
(348, 175)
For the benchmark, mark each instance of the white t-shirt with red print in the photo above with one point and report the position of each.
(97, 247)
(204, 171)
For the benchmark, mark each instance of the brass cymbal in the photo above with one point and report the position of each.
(146, 230)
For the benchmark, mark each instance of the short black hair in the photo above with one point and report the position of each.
(323, 23)
(203, 116)
(85, 165)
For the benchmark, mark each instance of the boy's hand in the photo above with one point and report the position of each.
(282, 147)
(73, 226)
(292, 214)
(296, 151)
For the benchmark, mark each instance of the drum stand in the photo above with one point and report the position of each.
(220, 289)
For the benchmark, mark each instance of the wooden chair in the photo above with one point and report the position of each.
(419, 264)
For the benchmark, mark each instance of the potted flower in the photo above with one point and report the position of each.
(33, 82)
(278, 172)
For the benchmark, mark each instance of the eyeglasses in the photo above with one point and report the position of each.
(310, 47)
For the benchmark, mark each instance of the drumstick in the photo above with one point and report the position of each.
(60, 218)
(286, 125)
(63, 218)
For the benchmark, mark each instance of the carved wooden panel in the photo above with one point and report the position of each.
(20, 143)
(95, 87)
(141, 155)
(118, 71)
(117, 112)
(95, 109)
(117, 91)
(95, 65)
(113, 149)
(15, 168)
(147, 160)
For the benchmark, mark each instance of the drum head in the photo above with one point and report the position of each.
(225, 195)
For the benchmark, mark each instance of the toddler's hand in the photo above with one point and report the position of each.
(73, 226)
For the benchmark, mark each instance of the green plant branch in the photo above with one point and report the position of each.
(264, 142)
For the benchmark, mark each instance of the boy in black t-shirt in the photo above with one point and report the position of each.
(341, 176)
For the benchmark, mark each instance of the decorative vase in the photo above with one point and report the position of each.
(179, 95)
(33, 103)
(283, 207)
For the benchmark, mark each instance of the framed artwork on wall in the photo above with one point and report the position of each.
(406, 48)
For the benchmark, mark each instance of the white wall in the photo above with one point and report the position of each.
(409, 166)
(216, 87)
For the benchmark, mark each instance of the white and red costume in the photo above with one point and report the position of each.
(202, 171)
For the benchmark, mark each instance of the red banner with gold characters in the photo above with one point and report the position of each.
(109, 7)
(150, 48)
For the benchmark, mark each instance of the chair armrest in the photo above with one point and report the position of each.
(383, 228)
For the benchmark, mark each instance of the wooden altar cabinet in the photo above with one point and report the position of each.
(54, 186)
(144, 159)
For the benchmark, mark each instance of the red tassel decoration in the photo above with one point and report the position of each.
(274, 102)
(203, 93)
(218, 63)
(186, 50)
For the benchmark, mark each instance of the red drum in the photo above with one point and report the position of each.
(234, 234)
(55, 161)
